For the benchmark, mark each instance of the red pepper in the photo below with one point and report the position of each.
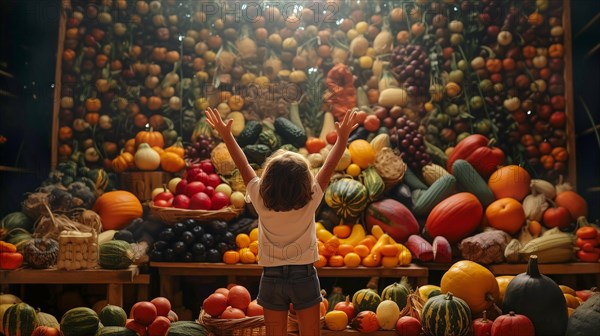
(581, 242)
(587, 232)
(588, 256)
(479, 152)
(10, 260)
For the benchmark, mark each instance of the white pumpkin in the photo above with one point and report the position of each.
(146, 158)
(387, 314)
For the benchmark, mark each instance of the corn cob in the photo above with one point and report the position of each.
(556, 255)
(433, 172)
(547, 242)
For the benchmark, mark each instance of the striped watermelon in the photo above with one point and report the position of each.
(446, 315)
(187, 328)
(366, 299)
(113, 316)
(397, 292)
(347, 197)
(19, 320)
(115, 254)
(115, 331)
(81, 321)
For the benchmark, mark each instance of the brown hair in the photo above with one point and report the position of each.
(286, 181)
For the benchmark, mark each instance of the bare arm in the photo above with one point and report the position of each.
(241, 162)
(343, 129)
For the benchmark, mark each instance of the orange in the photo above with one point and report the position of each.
(352, 259)
(353, 170)
(344, 249)
(242, 240)
(246, 256)
(321, 262)
(336, 261)
(361, 250)
(390, 250)
(254, 247)
(389, 261)
(254, 235)
(342, 230)
(231, 257)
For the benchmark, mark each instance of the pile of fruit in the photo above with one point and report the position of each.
(233, 302)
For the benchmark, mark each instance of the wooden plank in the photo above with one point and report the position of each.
(15, 170)
(356, 332)
(62, 28)
(569, 95)
(55, 276)
(114, 294)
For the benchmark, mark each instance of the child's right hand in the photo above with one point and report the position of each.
(215, 121)
(347, 125)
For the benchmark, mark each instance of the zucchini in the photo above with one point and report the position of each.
(437, 192)
(291, 133)
(257, 153)
(250, 134)
(413, 180)
(469, 180)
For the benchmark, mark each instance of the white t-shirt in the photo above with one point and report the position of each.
(285, 237)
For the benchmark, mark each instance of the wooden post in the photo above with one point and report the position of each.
(114, 294)
(569, 98)
(62, 28)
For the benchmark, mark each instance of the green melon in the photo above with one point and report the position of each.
(113, 316)
(115, 331)
(187, 328)
(397, 292)
(19, 320)
(115, 254)
(81, 321)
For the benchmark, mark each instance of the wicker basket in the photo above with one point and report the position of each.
(390, 167)
(247, 326)
(174, 215)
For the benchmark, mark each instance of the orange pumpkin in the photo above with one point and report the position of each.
(157, 122)
(65, 133)
(45, 331)
(92, 118)
(65, 150)
(571, 200)
(123, 162)
(140, 120)
(93, 104)
(510, 181)
(503, 281)
(176, 148)
(556, 50)
(151, 137)
(171, 162)
(117, 209)
(535, 19)
(505, 214)
(130, 146)
(154, 103)
(473, 283)
(236, 102)
(362, 153)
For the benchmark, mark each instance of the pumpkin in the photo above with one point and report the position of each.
(482, 326)
(19, 319)
(480, 152)
(446, 315)
(585, 320)
(503, 281)
(512, 324)
(176, 148)
(455, 218)
(41, 252)
(482, 291)
(3, 308)
(365, 322)
(571, 200)
(146, 158)
(505, 214)
(123, 162)
(387, 314)
(45, 331)
(347, 197)
(117, 209)
(130, 146)
(361, 153)
(79, 321)
(510, 181)
(171, 162)
(9, 299)
(393, 217)
(336, 320)
(538, 297)
(345, 306)
(151, 137)
(397, 292)
(365, 299)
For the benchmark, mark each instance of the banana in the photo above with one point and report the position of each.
(324, 235)
(358, 233)
(555, 255)
(377, 231)
(548, 242)
(543, 187)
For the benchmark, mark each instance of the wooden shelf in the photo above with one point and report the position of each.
(15, 170)
(514, 269)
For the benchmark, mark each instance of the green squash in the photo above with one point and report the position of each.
(115, 331)
(187, 328)
(373, 182)
(19, 320)
(366, 299)
(115, 254)
(397, 292)
(290, 132)
(16, 220)
(446, 315)
(347, 197)
(79, 321)
(250, 133)
(585, 320)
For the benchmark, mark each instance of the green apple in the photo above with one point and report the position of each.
(224, 188)
(157, 191)
(173, 184)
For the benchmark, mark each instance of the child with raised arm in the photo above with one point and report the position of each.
(286, 197)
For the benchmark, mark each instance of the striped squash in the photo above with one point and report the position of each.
(187, 328)
(47, 320)
(19, 320)
(81, 321)
(373, 182)
(397, 292)
(469, 180)
(115, 331)
(446, 315)
(366, 299)
(115, 254)
(347, 197)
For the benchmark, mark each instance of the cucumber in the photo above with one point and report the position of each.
(437, 192)
(469, 180)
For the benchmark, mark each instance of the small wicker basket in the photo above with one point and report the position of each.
(174, 215)
(390, 167)
(247, 326)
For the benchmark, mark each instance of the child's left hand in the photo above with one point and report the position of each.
(347, 125)
(215, 121)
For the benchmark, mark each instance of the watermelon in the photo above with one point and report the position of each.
(446, 315)
(347, 197)
(113, 316)
(187, 328)
(115, 331)
(115, 254)
(393, 217)
(16, 220)
(81, 321)
(366, 299)
(19, 320)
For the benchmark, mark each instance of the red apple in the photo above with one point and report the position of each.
(558, 119)
(213, 180)
(219, 200)
(193, 171)
(181, 187)
(558, 216)
(181, 202)
(194, 188)
(163, 203)
(207, 166)
(210, 190)
(201, 176)
(200, 201)
(165, 195)
(331, 137)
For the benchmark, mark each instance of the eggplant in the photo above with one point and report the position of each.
(188, 257)
(228, 238)
(217, 227)
(188, 238)
(222, 247)
(190, 223)
(359, 133)
(401, 193)
(125, 235)
(213, 256)
(199, 257)
(152, 227)
(134, 224)
(179, 248)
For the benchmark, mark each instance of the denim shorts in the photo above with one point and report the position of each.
(282, 285)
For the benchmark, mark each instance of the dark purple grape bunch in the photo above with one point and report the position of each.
(411, 66)
(411, 144)
(201, 148)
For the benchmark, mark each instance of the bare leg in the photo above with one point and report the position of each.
(308, 321)
(276, 322)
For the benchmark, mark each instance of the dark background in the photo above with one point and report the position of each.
(28, 40)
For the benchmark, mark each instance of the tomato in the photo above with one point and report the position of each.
(558, 119)
(331, 137)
